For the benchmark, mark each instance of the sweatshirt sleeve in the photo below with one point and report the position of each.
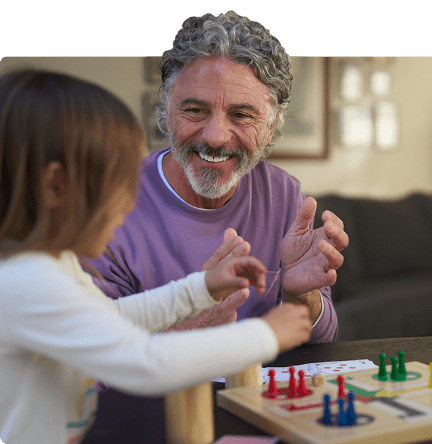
(326, 328)
(166, 306)
(156, 309)
(54, 315)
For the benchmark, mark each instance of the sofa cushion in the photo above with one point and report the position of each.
(389, 308)
(394, 237)
(349, 275)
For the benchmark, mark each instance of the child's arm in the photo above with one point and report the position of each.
(44, 310)
(164, 307)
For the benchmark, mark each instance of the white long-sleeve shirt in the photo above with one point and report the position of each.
(59, 334)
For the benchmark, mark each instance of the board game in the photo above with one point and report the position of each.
(389, 405)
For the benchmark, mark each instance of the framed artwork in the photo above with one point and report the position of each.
(305, 131)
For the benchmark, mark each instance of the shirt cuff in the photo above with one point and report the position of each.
(322, 310)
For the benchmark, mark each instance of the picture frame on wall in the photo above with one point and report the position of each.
(305, 131)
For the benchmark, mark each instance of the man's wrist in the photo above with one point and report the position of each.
(313, 299)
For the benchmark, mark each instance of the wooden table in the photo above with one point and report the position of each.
(416, 349)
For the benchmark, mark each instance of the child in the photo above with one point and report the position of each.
(69, 156)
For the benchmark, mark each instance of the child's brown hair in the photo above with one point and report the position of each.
(51, 117)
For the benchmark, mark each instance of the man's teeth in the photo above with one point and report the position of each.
(213, 159)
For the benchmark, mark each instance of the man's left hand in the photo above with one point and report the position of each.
(310, 258)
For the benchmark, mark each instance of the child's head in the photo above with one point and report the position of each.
(69, 151)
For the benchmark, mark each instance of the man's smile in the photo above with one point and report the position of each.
(213, 159)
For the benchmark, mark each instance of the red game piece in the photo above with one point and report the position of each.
(272, 384)
(292, 388)
(341, 393)
(302, 390)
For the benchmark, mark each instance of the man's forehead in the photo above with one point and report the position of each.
(206, 79)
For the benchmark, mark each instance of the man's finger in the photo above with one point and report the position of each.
(337, 236)
(229, 234)
(305, 215)
(334, 258)
(329, 216)
(235, 300)
(235, 246)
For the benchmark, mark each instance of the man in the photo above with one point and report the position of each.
(226, 83)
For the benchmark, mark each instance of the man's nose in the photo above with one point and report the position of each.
(216, 132)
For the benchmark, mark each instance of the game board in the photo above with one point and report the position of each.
(388, 407)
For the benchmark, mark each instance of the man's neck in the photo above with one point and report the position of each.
(179, 182)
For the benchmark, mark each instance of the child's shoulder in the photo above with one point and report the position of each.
(27, 260)
(29, 269)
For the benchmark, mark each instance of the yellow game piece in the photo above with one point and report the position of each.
(430, 378)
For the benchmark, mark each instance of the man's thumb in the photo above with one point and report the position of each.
(305, 215)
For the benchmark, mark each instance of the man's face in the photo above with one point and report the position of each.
(218, 123)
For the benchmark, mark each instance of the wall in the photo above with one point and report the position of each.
(355, 173)
(377, 174)
(122, 76)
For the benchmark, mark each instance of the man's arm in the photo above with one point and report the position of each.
(312, 299)
(309, 260)
(324, 322)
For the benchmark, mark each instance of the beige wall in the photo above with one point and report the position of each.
(123, 76)
(356, 173)
(380, 174)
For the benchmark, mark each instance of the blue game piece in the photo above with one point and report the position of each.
(351, 415)
(342, 417)
(327, 418)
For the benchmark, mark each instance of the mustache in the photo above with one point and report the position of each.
(206, 149)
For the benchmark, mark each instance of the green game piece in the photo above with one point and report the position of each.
(382, 374)
(402, 369)
(394, 371)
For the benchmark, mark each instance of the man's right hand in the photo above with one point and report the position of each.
(225, 312)
(232, 246)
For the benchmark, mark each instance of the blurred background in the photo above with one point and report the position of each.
(357, 126)
(358, 136)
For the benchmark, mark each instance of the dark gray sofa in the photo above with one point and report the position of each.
(384, 288)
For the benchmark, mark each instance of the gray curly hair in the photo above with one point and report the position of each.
(241, 40)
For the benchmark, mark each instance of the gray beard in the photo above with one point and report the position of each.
(205, 182)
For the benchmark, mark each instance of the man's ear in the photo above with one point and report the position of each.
(54, 185)
(272, 127)
(167, 114)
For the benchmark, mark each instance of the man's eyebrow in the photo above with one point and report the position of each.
(232, 108)
(243, 107)
(193, 101)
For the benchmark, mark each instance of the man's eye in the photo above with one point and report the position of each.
(241, 116)
(193, 110)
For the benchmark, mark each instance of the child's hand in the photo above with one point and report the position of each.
(291, 325)
(235, 273)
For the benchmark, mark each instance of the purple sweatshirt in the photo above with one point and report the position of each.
(165, 238)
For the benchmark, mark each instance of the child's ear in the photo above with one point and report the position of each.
(54, 185)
